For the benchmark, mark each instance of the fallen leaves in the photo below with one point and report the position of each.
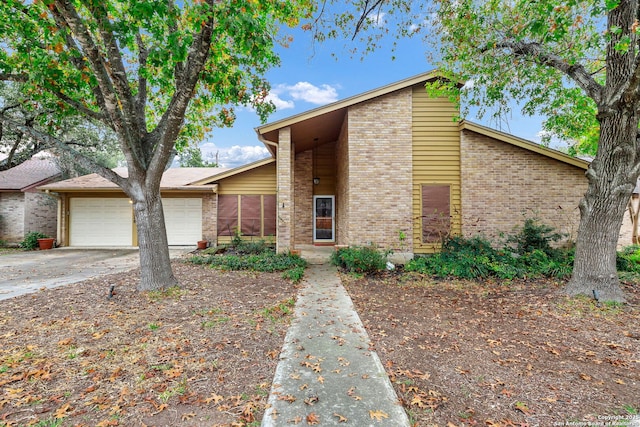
(378, 415)
(90, 361)
(313, 419)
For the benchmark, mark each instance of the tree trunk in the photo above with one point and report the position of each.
(611, 182)
(155, 265)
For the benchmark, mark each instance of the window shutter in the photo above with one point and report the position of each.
(227, 214)
(436, 212)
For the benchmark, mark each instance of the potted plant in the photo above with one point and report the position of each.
(32, 240)
(45, 243)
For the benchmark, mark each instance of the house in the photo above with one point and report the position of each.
(22, 207)
(390, 167)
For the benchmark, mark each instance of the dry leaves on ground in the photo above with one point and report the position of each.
(202, 354)
(502, 354)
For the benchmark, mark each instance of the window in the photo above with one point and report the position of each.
(227, 214)
(269, 219)
(252, 215)
(436, 212)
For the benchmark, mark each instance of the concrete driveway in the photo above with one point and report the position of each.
(27, 272)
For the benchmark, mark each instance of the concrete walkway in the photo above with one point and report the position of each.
(27, 272)
(327, 375)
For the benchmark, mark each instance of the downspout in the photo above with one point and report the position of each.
(269, 144)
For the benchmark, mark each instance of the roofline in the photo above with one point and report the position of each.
(41, 182)
(356, 99)
(235, 171)
(190, 188)
(523, 143)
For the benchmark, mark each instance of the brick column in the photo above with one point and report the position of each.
(285, 191)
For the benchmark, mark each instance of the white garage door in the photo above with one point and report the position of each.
(183, 218)
(100, 222)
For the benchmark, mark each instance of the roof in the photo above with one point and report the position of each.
(29, 174)
(235, 171)
(172, 179)
(323, 124)
(523, 143)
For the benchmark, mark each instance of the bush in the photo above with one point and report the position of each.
(359, 259)
(534, 236)
(532, 256)
(30, 241)
(628, 259)
(292, 266)
(253, 247)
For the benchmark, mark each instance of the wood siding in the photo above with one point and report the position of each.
(261, 180)
(435, 158)
(325, 169)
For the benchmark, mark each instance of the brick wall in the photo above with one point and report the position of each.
(285, 191)
(342, 185)
(380, 171)
(210, 217)
(40, 213)
(303, 184)
(503, 184)
(12, 217)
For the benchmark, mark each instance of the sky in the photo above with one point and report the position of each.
(312, 75)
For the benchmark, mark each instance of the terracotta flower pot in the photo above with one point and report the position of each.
(46, 243)
(202, 244)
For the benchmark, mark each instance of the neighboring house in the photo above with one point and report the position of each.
(389, 167)
(22, 207)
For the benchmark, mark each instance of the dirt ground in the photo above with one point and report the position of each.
(503, 354)
(458, 353)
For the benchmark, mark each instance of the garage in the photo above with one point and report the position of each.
(109, 221)
(94, 211)
(100, 222)
(183, 219)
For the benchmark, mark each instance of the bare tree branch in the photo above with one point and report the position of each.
(366, 10)
(49, 141)
(169, 125)
(577, 72)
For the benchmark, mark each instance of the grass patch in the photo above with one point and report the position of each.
(174, 292)
(278, 312)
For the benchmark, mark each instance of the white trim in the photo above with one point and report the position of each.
(333, 219)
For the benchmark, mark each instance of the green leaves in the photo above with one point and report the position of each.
(151, 42)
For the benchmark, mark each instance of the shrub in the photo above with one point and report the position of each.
(533, 256)
(292, 265)
(534, 236)
(359, 259)
(30, 241)
(628, 259)
(253, 247)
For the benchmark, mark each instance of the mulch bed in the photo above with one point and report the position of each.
(458, 353)
(203, 354)
(503, 354)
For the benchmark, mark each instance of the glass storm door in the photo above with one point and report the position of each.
(323, 219)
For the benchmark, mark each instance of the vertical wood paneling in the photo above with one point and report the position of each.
(435, 158)
(261, 180)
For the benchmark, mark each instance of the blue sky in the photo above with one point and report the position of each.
(310, 76)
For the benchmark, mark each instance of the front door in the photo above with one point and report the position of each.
(323, 219)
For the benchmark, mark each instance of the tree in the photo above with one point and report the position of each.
(87, 137)
(557, 58)
(191, 157)
(157, 73)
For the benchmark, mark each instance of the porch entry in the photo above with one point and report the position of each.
(324, 219)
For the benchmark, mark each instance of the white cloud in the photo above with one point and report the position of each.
(280, 103)
(303, 91)
(378, 20)
(233, 156)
